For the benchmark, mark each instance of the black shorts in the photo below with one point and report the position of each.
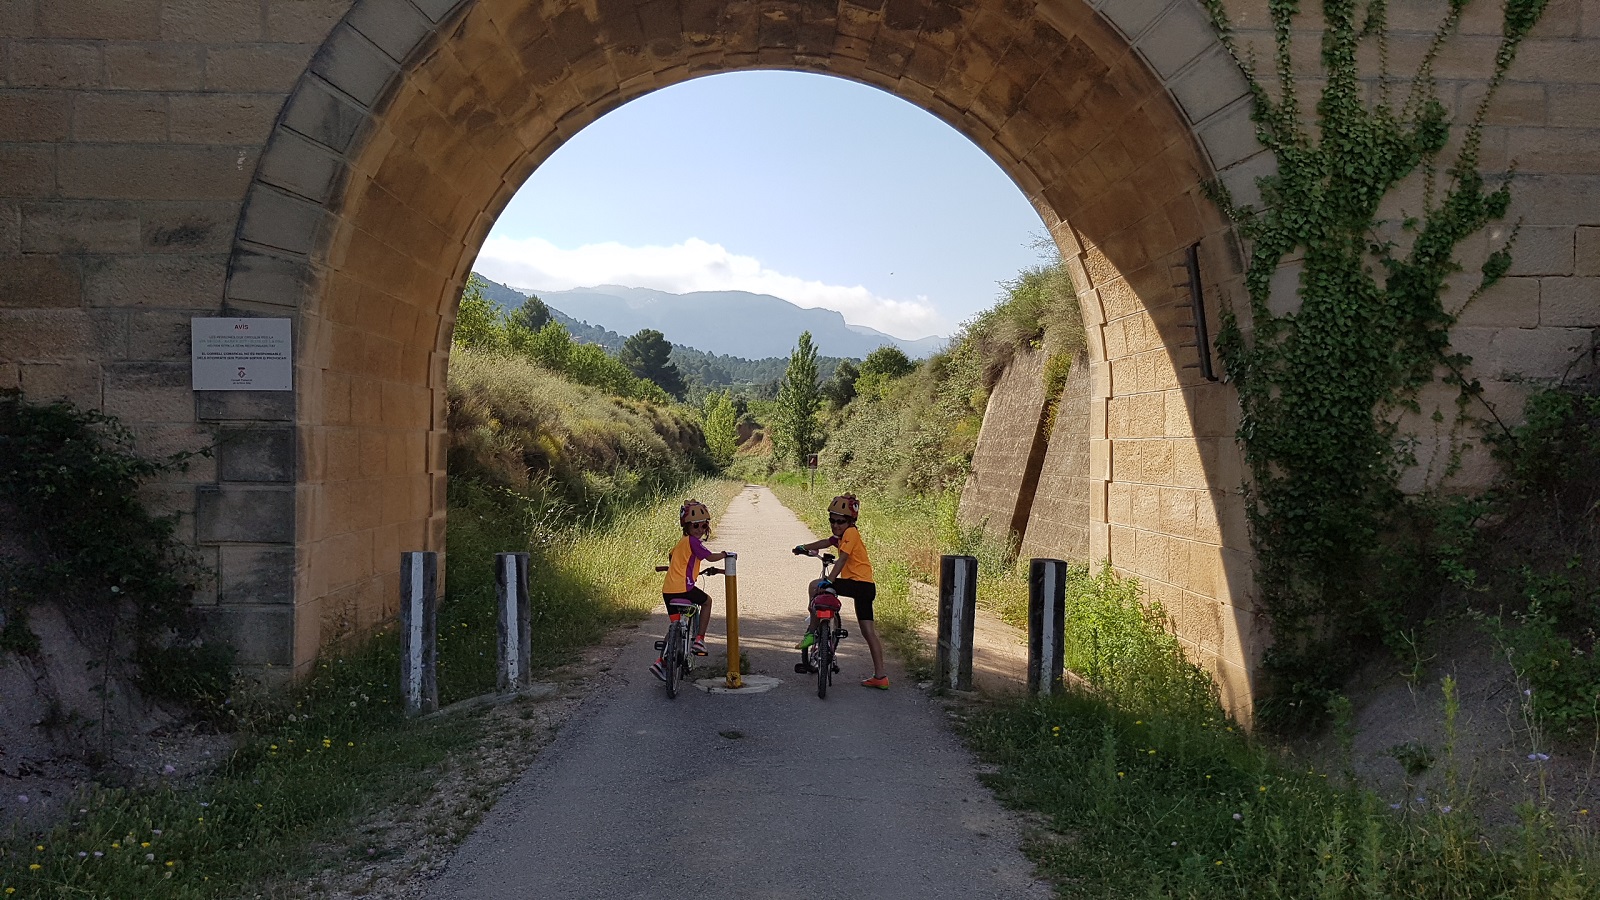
(862, 592)
(693, 595)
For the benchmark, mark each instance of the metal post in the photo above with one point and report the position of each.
(1047, 607)
(958, 607)
(511, 589)
(419, 630)
(731, 585)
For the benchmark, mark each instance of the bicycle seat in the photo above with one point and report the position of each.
(825, 600)
(681, 607)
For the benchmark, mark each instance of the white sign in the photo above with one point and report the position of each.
(241, 355)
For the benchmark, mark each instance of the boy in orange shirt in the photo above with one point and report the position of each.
(851, 577)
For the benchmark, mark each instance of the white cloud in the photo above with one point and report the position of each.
(695, 265)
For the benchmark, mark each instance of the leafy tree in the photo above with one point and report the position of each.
(479, 322)
(647, 355)
(722, 427)
(841, 388)
(882, 366)
(795, 433)
(532, 315)
(887, 360)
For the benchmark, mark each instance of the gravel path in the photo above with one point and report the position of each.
(748, 794)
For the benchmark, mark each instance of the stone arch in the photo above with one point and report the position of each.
(418, 119)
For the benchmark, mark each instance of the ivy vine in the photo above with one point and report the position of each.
(1321, 386)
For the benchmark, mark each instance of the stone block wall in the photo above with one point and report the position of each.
(1005, 465)
(1058, 524)
(129, 135)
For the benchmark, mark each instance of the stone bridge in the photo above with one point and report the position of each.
(338, 163)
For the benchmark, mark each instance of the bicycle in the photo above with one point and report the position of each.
(827, 630)
(678, 645)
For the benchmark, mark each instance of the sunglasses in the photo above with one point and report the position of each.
(705, 525)
(836, 520)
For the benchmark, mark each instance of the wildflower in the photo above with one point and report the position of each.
(171, 863)
(1174, 843)
(22, 798)
(1394, 806)
(99, 853)
(11, 890)
(1261, 789)
(1445, 809)
(39, 847)
(1238, 816)
(350, 743)
(1583, 812)
(1138, 721)
(168, 769)
(156, 832)
(1151, 752)
(83, 854)
(34, 867)
(1538, 757)
(1219, 862)
(144, 843)
(149, 857)
(1120, 774)
(205, 805)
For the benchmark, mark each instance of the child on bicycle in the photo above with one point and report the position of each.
(851, 577)
(683, 570)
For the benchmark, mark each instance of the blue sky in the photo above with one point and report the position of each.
(815, 189)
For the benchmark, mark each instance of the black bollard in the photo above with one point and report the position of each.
(1047, 607)
(958, 607)
(419, 631)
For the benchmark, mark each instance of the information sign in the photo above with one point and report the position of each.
(241, 355)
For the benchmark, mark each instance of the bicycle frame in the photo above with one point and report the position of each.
(827, 630)
(677, 648)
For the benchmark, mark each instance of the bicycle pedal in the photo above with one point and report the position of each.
(835, 670)
(843, 635)
(661, 645)
(802, 668)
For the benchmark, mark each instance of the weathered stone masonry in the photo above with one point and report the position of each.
(338, 162)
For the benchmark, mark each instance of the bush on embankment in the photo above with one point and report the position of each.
(915, 434)
(517, 427)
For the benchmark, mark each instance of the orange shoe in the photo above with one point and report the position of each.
(881, 682)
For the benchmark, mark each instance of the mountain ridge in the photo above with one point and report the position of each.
(730, 323)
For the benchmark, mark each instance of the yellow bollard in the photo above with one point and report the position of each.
(731, 583)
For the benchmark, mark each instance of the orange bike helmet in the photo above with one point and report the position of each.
(693, 511)
(845, 505)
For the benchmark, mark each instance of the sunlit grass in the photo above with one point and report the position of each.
(1147, 788)
(311, 761)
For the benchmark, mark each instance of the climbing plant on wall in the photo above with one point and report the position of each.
(1321, 385)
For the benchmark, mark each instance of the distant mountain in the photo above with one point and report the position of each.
(711, 369)
(735, 323)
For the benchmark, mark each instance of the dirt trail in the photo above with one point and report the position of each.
(772, 794)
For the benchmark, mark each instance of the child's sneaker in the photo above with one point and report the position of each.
(659, 668)
(806, 641)
(698, 648)
(881, 682)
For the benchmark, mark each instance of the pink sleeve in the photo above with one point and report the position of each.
(697, 550)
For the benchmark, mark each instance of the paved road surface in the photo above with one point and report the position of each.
(749, 795)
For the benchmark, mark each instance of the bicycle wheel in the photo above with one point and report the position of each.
(670, 657)
(824, 658)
